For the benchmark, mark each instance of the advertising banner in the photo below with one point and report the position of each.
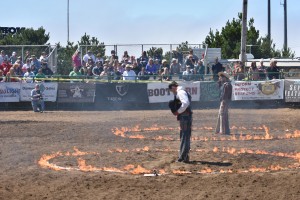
(257, 90)
(121, 92)
(76, 92)
(48, 91)
(292, 90)
(209, 91)
(9, 92)
(159, 92)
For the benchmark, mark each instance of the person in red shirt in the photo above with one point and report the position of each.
(5, 67)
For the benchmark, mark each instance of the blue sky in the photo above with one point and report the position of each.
(145, 21)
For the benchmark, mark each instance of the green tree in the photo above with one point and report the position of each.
(64, 60)
(93, 44)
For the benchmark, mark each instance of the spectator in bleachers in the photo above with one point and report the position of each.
(116, 75)
(11, 76)
(190, 61)
(143, 75)
(29, 76)
(157, 56)
(76, 59)
(25, 66)
(13, 58)
(27, 55)
(136, 68)
(216, 68)
(132, 59)
(178, 55)
(113, 57)
(90, 63)
(33, 69)
(97, 69)
(5, 66)
(151, 68)
(164, 63)
(165, 74)
(175, 67)
(200, 70)
(99, 59)
(35, 62)
(40, 76)
(187, 74)
(19, 61)
(2, 77)
(17, 69)
(43, 57)
(89, 73)
(144, 59)
(262, 70)
(240, 72)
(87, 56)
(129, 74)
(191, 53)
(125, 56)
(46, 70)
(105, 72)
(3, 57)
(253, 72)
(273, 71)
(75, 73)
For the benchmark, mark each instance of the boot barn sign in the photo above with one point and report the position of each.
(10, 30)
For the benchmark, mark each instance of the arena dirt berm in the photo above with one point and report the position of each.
(105, 154)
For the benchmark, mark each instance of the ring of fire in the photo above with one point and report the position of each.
(45, 160)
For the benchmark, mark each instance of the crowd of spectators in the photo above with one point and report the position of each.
(13, 69)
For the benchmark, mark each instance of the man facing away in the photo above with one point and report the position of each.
(181, 107)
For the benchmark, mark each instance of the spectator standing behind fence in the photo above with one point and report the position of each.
(175, 67)
(3, 57)
(43, 57)
(216, 68)
(225, 98)
(113, 57)
(273, 71)
(125, 56)
(253, 72)
(86, 57)
(37, 100)
(13, 58)
(76, 59)
(129, 74)
(262, 70)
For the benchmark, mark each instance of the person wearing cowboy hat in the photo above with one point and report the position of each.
(225, 98)
(129, 74)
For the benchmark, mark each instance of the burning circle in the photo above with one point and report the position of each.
(47, 160)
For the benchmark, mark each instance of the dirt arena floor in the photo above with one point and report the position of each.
(132, 154)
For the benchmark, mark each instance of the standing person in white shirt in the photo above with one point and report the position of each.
(129, 74)
(86, 57)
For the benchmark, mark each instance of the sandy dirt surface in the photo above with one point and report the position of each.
(90, 155)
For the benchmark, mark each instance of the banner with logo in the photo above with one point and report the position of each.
(121, 92)
(292, 90)
(48, 91)
(159, 92)
(76, 92)
(9, 92)
(209, 91)
(257, 90)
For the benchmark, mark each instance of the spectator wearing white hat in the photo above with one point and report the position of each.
(175, 67)
(129, 74)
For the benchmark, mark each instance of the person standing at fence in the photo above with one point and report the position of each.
(181, 107)
(225, 98)
(216, 68)
(37, 100)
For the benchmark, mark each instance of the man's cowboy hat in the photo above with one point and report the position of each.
(224, 74)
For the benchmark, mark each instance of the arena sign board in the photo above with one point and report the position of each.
(209, 91)
(9, 92)
(76, 92)
(257, 90)
(48, 91)
(292, 90)
(10, 30)
(159, 92)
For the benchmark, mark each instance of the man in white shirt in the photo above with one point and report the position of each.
(86, 57)
(128, 74)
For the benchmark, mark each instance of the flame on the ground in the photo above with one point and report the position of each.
(180, 172)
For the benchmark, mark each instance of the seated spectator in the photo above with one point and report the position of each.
(129, 74)
(151, 68)
(99, 59)
(35, 62)
(262, 70)
(144, 59)
(89, 73)
(166, 75)
(200, 70)
(125, 56)
(132, 60)
(113, 57)
(75, 73)
(17, 69)
(27, 55)
(157, 56)
(11, 76)
(2, 77)
(40, 76)
(87, 56)
(34, 69)
(76, 60)
(116, 75)
(136, 68)
(3, 57)
(25, 66)
(46, 70)
(253, 72)
(194, 57)
(6, 65)
(143, 75)
(240, 72)
(97, 69)
(13, 58)
(164, 63)
(187, 74)
(190, 62)
(29, 76)
(178, 55)
(175, 67)
(105, 73)
(43, 57)
(273, 71)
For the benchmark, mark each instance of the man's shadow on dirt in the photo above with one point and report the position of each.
(220, 164)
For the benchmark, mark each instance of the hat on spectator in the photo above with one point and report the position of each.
(14, 53)
(98, 55)
(89, 51)
(32, 56)
(164, 60)
(188, 66)
(174, 59)
(19, 57)
(128, 66)
(224, 74)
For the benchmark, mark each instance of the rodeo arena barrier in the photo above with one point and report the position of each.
(108, 93)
